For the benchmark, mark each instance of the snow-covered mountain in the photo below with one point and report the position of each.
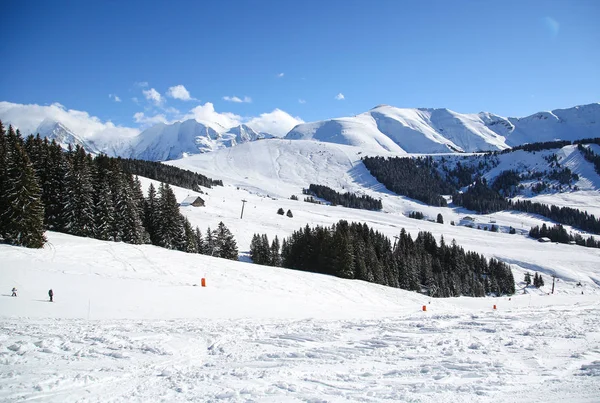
(172, 141)
(387, 128)
(560, 124)
(53, 130)
(242, 134)
(380, 130)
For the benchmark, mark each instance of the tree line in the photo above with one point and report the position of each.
(347, 199)
(355, 251)
(416, 178)
(590, 156)
(168, 174)
(44, 188)
(558, 233)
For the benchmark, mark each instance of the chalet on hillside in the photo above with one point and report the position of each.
(468, 219)
(544, 239)
(195, 201)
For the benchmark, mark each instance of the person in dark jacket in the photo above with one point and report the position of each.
(14, 292)
(51, 294)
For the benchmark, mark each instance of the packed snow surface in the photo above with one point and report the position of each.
(129, 324)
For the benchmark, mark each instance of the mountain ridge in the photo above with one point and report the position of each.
(383, 128)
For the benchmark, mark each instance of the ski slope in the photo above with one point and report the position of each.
(131, 323)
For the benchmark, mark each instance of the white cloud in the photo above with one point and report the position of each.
(135, 100)
(280, 75)
(28, 117)
(207, 113)
(301, 101)
(246, 99)
(114, 97)
(278, 122)
(340, 97)
(179, 92)
(144, 120)
(141, 84)
(153, 96)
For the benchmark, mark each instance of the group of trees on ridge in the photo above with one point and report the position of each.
(44, 188)
(347, 199)
(416, 178)
(167, 174)
(355, 251)
(558, 233)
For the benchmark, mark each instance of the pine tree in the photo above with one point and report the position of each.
(78, 211)
(151, 214)
(54, 189)
(170, 223)
(255, 249)
(200, 241)
(225, 242)
(191, 245)
(3, 177)
(23, 218)
(527, 279)
(210, 245)
(440, 218)
(104, 212)
(275, 257)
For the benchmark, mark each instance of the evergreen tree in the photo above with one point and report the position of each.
(440, 218)
(151, 214)
(169, 223)
(225, 242)
(200, 241)
(211, 247)
(78, 213)
(191, 243)
(23, 218)
(275, 257)
(527, 279)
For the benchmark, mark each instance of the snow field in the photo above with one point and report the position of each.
(128, 324)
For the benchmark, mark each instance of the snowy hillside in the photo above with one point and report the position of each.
(560, 124)
(132, 323)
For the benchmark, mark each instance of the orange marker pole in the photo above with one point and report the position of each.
(424, 308)
(203, 282)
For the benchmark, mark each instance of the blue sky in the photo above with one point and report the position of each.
(510, 58)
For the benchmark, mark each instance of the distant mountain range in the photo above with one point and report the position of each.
(383, 128)
(442, 130)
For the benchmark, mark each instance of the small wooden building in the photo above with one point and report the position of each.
(195, 201)
(544, 239)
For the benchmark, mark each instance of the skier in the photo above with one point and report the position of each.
(51, 294)
(14, 292)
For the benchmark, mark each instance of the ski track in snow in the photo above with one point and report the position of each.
(518, 355)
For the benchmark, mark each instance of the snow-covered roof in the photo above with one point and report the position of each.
(190, 199)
